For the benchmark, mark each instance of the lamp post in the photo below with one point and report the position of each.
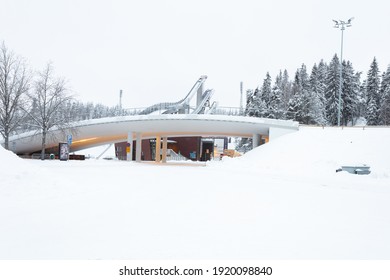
(341, 24)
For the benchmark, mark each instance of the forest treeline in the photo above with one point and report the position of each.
(313, 98)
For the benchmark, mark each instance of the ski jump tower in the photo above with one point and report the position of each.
(183, 106)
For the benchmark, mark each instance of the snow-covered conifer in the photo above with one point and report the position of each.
(384, 110)
(332, 91)
(351, 83)
(373, 96)
(317, 91)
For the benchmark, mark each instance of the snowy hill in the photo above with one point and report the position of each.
(282, 200)
(320, 151)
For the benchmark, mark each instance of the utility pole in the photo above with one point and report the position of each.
(120, 99)
(241, 98)
(341, 24)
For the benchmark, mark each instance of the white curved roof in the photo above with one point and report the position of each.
(115, 129)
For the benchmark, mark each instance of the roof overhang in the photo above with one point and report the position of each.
(97, 132)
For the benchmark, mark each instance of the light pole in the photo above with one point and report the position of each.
(341, 24)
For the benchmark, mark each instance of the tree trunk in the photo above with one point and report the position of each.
(43, 145)
(6, 141)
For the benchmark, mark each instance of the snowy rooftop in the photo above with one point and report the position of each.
(115, 129)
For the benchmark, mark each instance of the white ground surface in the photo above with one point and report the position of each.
(283, 200)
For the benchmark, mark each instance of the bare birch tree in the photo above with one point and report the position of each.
(48, 99)
(14, 84)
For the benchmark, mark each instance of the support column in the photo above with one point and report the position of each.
(164, 150)
(129, 146)
(256, 140)
(199, 95)
(158, 148)
(138, 147)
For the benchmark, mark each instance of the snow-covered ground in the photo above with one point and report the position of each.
(283, 200)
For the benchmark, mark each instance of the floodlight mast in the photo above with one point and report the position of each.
(342, 25)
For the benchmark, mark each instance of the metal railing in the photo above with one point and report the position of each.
(228, 111)
(172, 155)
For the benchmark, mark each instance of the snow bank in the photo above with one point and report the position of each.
(320, 151)
(21, 181)
(13, 167)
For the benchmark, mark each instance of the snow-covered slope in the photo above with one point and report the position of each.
(283, 200)
(320, 151)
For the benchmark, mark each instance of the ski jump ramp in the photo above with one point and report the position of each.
(183, 106)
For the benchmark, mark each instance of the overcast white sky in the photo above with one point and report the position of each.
(156, 50)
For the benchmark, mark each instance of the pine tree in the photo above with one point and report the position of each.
(317, 90)
(372, 112)
(266, 96)
(299, 105)
(384, 112)
(306, 104)
(351, 83)
(249, 102)
(285, 87)
(322, 74)
(361, 99)
(275, 106)
(293, 104)
(255, 107)
(373, 96)
(332, 91)
(301, 101)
